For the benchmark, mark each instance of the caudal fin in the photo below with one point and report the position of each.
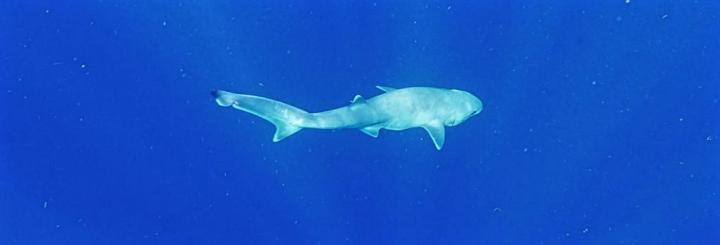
(287, 119)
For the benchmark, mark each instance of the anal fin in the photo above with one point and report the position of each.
(373, 131)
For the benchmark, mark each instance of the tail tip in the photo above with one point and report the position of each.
(214, 93)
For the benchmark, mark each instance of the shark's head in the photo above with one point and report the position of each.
(465, 105)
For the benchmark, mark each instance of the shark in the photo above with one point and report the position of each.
(429, 108)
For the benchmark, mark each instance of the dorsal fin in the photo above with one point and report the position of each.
(358, 99)
(386, 89)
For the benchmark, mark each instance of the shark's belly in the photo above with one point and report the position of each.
(401, 124)
(401, 119)
(396, 126)
(410, 119)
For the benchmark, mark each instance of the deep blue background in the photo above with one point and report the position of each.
(601, 123)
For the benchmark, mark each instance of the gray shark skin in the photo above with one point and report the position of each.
(396, 109)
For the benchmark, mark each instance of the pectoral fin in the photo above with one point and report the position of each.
(373, 131)
(437, 133)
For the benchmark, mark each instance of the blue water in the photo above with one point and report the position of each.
(601, 123)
